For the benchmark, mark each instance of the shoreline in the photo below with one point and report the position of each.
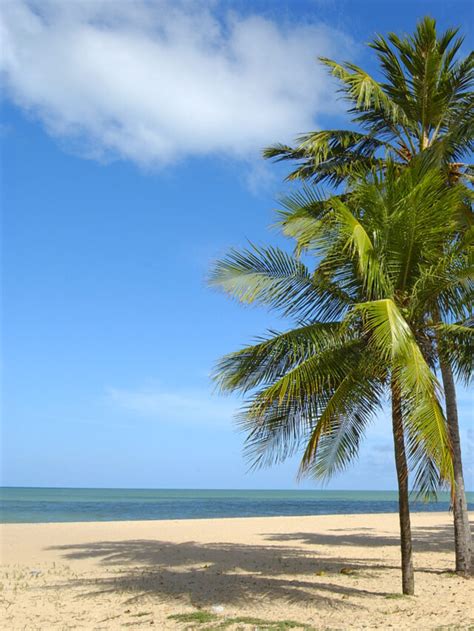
(317, 570)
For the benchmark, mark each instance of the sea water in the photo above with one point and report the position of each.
(32, 505)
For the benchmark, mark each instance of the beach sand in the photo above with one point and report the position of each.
(328, 572)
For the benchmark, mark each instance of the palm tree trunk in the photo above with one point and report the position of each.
(408, 578)
(462, 529)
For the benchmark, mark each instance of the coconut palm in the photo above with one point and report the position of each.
(423, 102)
(361, 332)
(425, 96)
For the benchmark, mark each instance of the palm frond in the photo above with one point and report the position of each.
(267, 276)
(279, 416)
(273, 356)
(364, 91)
(359, 243)
(391, 335)
(332, 155)
(334, 442)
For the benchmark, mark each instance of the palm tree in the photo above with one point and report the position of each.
(424, 102)
(361, 332)
(425, 97)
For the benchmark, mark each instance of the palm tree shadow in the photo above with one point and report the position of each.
(233, 573)
(228, 573)
(425, 539)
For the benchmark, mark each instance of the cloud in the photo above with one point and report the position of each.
(191, 407)
(155, 82)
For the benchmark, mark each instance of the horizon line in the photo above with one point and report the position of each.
(130, 488)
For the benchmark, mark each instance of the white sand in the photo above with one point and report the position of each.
(118, 575)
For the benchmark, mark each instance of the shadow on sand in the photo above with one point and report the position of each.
(425, 539)
(235, 573)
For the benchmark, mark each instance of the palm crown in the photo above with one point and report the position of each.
(386, 259)
(424, 99)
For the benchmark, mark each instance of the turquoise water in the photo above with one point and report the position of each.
(31, 505)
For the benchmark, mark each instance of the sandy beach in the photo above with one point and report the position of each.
(325, 572)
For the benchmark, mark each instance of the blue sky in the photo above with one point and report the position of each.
(130, 161)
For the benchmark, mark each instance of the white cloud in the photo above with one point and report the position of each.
(188, 406)
(154, 82)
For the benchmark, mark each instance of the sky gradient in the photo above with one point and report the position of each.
(131, 137)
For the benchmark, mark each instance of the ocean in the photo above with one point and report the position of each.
(34, 505)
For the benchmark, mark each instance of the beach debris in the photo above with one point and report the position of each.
(109, 618)
(35, 572)
(217, 609)
(347, 570)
